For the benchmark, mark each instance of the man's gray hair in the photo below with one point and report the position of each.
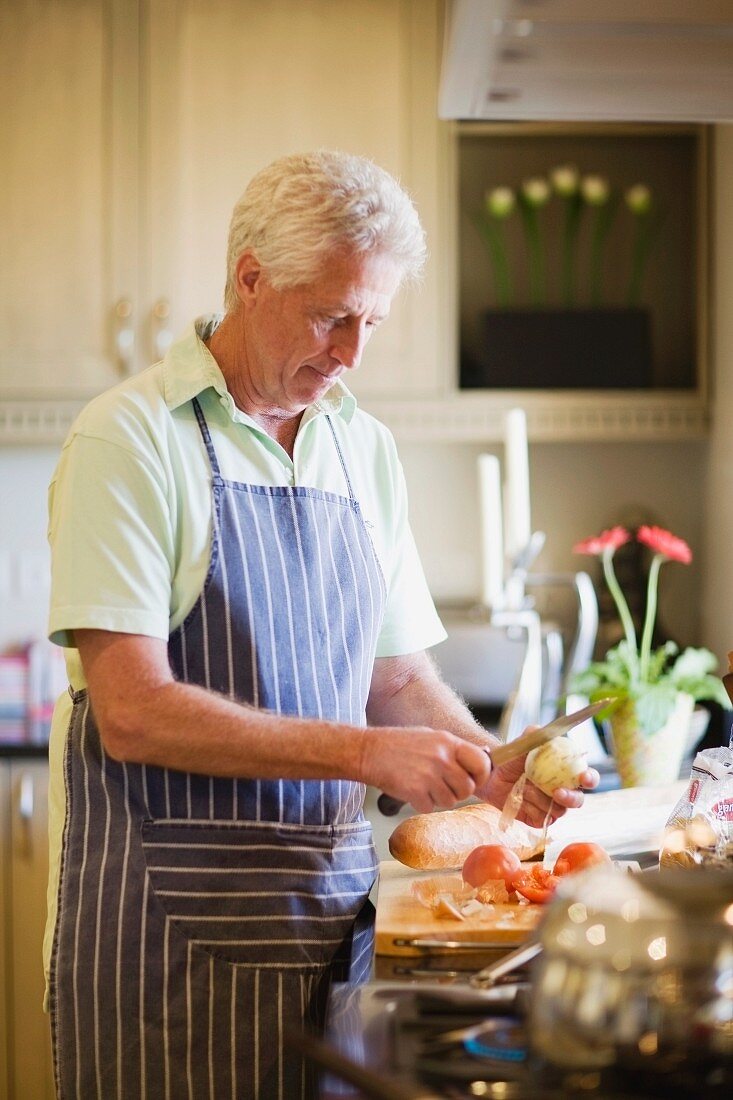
(302, 208)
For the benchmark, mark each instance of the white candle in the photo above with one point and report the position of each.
(492, 542)
(517, 523)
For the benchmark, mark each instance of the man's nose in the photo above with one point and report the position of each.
(348, 345)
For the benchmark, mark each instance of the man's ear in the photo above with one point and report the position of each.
(247, 274)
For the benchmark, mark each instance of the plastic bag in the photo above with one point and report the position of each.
(699, 831)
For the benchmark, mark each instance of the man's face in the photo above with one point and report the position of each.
(300, 340)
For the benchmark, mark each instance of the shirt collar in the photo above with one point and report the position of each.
(189, 368)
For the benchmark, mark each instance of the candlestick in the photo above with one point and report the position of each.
(492, 543)
(517, 524)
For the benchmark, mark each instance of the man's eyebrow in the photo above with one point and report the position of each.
(336, 307)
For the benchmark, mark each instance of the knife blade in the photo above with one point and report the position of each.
(510, 750)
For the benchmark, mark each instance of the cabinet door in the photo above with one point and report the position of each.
(68, 195)
(234, 84)
(28, 1026)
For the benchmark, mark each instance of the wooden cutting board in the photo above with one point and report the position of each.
(401, 917)
(622, 821)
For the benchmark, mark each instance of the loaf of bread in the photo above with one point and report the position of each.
(441, 841)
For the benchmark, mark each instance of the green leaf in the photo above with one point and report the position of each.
(654, 704)
(616, 696)
(693, 664)
(659, 659)
(691, 672)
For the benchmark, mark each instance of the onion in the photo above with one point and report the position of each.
(558, 763)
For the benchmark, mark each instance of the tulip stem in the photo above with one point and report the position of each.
(646, 227)
(494, 240)
(573, 210)
(604, 216)
(534, 245)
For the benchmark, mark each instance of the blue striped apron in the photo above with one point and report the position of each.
(199, 917)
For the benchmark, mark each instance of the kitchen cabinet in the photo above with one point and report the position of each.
(135, 128)
(25, 1045)
(68, 196)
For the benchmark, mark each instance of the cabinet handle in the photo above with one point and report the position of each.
(25, 797)
(124, 335)
(162, 332)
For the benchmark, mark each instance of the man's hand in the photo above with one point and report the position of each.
(408, 692)
(430, 769)
(535, 803)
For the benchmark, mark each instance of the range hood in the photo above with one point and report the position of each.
(635, 60)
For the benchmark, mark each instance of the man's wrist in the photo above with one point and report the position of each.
(364, 755)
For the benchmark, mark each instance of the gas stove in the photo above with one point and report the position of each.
(431, 1040)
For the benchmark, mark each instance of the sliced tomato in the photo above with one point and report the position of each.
(579, 856)
(536, 883)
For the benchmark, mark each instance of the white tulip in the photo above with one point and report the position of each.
(500, 202)
(595, 190)
(638, 198)
(536, 191)
(565, 179)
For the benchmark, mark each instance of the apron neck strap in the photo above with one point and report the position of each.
(208, 443)
(206, 435)
(341, 458)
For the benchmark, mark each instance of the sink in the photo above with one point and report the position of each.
(480, 661)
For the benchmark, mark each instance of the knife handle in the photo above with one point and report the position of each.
(388, 805)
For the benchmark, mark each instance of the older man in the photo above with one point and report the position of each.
(238, 589)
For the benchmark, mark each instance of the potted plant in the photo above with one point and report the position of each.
(654, 690)
(565, 334)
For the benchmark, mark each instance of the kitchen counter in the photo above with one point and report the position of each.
(380, 1026)
(23, 749)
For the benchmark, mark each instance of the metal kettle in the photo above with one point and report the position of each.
(636, 971)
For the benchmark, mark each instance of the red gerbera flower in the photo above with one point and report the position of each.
(664, 542)
(607, 540)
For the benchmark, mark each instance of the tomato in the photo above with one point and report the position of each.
(490, 862)
(537, 884)
(579, 856)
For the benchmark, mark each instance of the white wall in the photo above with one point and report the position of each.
(577, 490)
(24, 476)
(717, 596)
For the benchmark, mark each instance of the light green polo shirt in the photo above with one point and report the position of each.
(130, 514)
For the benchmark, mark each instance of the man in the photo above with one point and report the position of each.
(235, 579)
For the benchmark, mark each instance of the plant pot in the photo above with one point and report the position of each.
(561, 349)
(650, 760)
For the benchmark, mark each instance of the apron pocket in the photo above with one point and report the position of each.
(257, 894)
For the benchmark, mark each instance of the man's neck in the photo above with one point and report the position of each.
(225, 346)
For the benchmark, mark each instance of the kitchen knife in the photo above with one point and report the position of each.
(510, 750)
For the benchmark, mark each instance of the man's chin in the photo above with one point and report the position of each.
(320, 389)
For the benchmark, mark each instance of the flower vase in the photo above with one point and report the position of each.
(649, 760)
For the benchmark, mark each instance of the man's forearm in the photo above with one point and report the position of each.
(190, 728)
(145, 716)
(412, 693)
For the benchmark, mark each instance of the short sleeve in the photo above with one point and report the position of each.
(112, 543)
(410, 622)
